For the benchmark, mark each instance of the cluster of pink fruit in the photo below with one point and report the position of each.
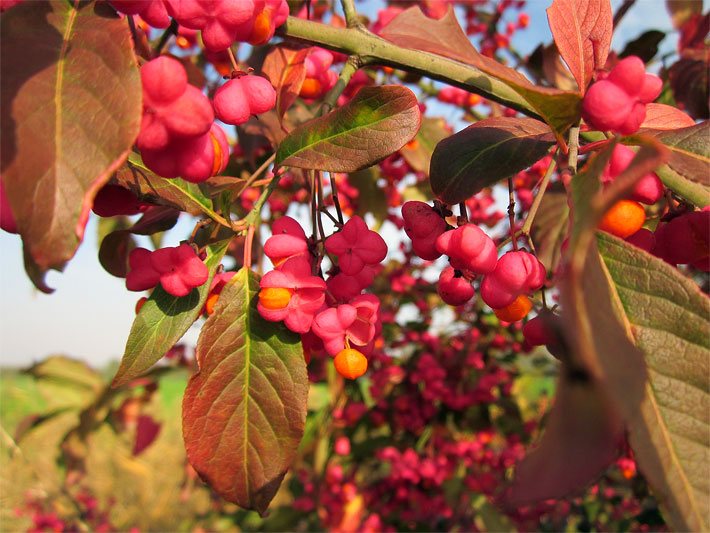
(221, 22)
(333, 316)
(507, 281)
(178, 136)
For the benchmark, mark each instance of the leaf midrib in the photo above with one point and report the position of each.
(325, 140)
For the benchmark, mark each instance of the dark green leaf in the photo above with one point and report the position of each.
(70, 111)
(162, 321)
(371, 197)
(244, 412)
(644, 46)
(485, 153)
(377, 122)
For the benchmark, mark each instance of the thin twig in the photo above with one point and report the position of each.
(527, 225)
(233, 59)
(511, 213)
(336, 200)
(169, 32)
(623, 8)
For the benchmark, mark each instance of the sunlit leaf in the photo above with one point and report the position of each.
(70, 111)
(244, 412)
(582, 32)
(378, 121)
(668, 316)
(414, 30)
(665, 117)
(286, 70)
(686, 172)
(163, 320)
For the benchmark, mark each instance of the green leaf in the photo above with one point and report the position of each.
(69, 112)
(150, 187)
(668, 315)
(377, 122)
(244, 412)
(686, 172)
(485, 153)
(418, 152)
(549, 229)
(414, 30)
(163, 320)
(371, 197)
(66, 382)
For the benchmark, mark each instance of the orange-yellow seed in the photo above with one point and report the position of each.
(350, 363)
(624, 218)
(217, 162)
(262, 28)
(311, 88)
(513, 312)
(274, 298)
(211, 303)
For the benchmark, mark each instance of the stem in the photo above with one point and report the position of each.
(350, 13)
(232, 59)
(372, 49)
(250, 180)
(319, 188)
(169, 32)
(511, 213)
(527, 225)
(351, 67)
(336, 200)
(255, 214)
(248, 243)
(623, 8)
(573, 145)
(463, 212)
(132, 27)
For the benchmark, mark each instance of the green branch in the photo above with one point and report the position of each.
(373, 50)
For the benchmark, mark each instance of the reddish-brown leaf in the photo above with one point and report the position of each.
(286, 70)
(582, 30)
(414, 30)
(580, 440)
(665, 117)
(70, 111)
(377, 122)
(244, 412)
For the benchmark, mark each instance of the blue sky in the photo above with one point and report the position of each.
(90, 313)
